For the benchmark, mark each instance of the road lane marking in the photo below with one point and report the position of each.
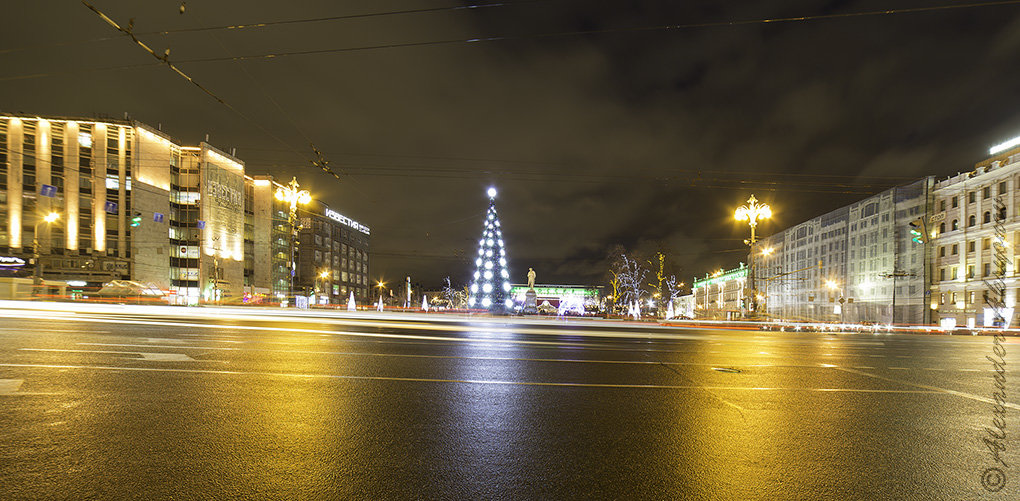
(460, 381)
(166, 357)
(47, 330)
(146, 356)
(448, 357)
(178, 341)
(927, 387)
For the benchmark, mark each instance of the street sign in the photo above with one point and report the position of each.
(110, 207)
(11, 261)
(48, 190)
(157, 217)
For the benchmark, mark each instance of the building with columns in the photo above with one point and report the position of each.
(132, 203)
(721, 295)
(94, 175)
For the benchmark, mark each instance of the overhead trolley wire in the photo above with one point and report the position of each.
(266, 24)
(481, 39)
(320, 162)
(664, 27)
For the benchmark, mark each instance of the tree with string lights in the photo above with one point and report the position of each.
(490, 283)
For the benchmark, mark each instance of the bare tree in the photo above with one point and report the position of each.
(674, 289)
(658, 264)
(614, 258)
(457, 299)
(632, 279)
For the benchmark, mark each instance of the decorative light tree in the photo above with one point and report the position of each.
(490, 284)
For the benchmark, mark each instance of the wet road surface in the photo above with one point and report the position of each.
(173, 403)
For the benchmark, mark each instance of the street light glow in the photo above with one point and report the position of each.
(831, 284)
(752, 211)
(53, 216)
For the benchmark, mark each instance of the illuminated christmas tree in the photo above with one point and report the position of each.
(490, 284)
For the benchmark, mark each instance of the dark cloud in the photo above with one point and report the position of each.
(639, 138)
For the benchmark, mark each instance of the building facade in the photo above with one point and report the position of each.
(103, 200)
(858, 263)
(721, 295)
(976, 229)
(267, 241)
(94, 176)
(332, 256)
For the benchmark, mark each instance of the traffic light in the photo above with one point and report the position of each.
(917, 231)
(136, 219)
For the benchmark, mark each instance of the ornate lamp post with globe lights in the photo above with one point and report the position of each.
(490, 283)
(752, 212)
(294, 196)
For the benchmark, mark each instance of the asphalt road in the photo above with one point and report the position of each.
(174, 403)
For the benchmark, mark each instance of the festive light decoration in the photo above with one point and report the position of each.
(490, 286)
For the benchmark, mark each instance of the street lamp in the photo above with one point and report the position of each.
(294, 196)
(831, 284)
(752, 212)
(323, 275)
(37, 278)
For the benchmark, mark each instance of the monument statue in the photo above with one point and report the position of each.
(530, 296)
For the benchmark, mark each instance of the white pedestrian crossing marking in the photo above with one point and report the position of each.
(10, 386)
(147, 356)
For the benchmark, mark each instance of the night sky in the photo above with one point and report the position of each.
(625, 134)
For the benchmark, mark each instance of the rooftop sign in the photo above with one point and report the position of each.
(340, 218)
(1004, 146)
